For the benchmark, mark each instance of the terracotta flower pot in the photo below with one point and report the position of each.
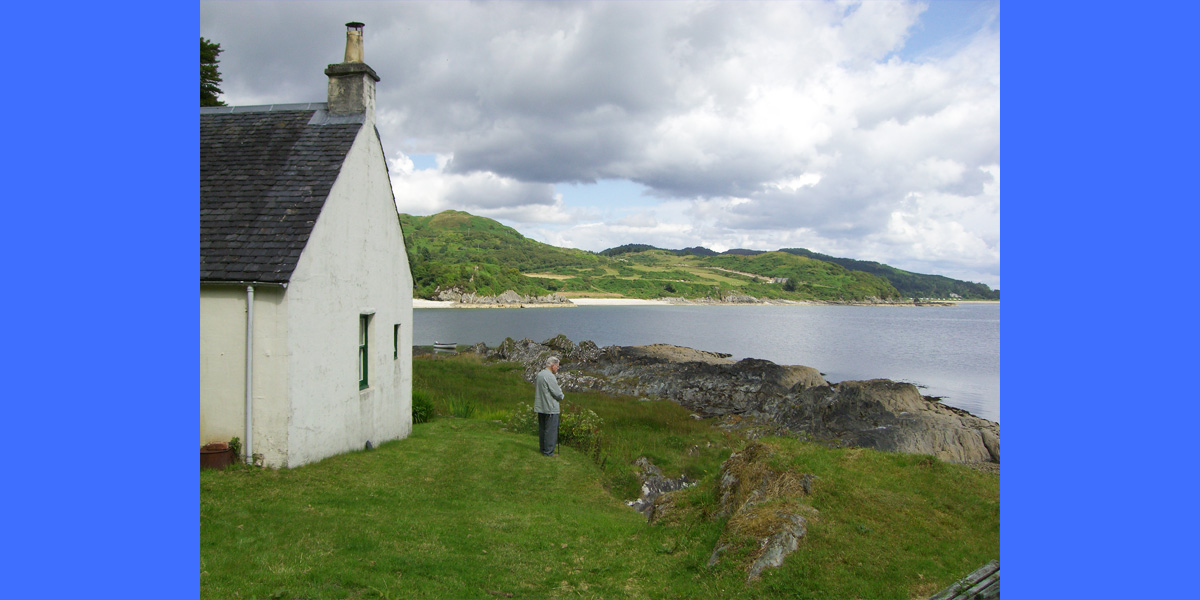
(216, 455)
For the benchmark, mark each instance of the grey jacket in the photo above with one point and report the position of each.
(546, 394)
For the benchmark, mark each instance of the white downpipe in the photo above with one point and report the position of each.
(249, 374)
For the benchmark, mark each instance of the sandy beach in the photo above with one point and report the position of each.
(618, 302)
(422, 303)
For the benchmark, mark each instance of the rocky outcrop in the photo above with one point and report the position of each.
(797, 400)
(705, 382)
(533, 355)
(762, 504)
(885, 415)
(654, 486)
(508, 298)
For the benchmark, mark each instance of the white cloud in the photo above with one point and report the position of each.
(750, 124)
(639, 220)
(426, 191)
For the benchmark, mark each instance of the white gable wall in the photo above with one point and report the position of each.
(354, 263)
(223, 368)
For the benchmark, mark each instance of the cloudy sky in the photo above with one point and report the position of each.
(866, 130)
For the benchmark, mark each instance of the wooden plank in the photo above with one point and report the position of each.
(964, 587)
(985, 587)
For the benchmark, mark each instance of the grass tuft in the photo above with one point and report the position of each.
(463, 408)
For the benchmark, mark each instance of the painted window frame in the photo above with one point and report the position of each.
(364, 351)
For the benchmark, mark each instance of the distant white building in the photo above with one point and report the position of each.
(303, 269)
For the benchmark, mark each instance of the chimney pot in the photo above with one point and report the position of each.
(354, 42)
(352, 82)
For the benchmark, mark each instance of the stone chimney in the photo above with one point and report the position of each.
(352, 83)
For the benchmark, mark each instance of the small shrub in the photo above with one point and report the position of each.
(236, 445)
(463, 408)
(579, 428)
(522, 420)
(422, 406)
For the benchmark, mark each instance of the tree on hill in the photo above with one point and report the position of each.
(626, 249)
(210, 77)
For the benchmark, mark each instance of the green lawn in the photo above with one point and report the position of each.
(464, 509)
(460, 509)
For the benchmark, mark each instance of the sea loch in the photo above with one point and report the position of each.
(952, 352)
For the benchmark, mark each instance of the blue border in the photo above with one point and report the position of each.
(100, 239)
(1099, 122)
(100, 235)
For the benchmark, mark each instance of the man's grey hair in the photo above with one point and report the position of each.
(553, 360)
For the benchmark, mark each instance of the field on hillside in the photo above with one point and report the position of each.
(459, 252)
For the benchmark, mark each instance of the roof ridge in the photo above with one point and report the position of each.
(218, 110)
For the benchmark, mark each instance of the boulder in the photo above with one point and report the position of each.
(886, 415)
(654, 486)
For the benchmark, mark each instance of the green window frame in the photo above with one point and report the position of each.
(364, 328)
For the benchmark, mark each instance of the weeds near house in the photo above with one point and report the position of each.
(463, 408)
(422, 406)
(523, 420)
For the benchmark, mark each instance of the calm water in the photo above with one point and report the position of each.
(952, 352)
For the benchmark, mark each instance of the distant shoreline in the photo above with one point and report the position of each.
(423, 303)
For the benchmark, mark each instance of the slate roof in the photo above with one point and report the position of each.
(264, 175)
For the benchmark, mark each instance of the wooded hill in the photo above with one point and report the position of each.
(457, 250)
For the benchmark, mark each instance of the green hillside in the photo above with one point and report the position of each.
(454, 249)
(913, 285)
(457, 250)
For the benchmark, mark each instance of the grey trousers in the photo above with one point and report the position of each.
(547, 433)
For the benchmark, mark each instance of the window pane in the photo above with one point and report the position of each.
(363, 353)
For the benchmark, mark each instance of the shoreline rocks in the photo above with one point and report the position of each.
(508, 299)
(511, 299)
(785, 399)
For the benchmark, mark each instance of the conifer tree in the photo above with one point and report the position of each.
(209, 75)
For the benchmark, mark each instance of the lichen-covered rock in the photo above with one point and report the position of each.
(561, 344)
(780, 544)
(654, 487)
(764, 507)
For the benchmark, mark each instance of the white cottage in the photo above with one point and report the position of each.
(305, 288)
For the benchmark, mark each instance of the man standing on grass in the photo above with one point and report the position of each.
(546, 396)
